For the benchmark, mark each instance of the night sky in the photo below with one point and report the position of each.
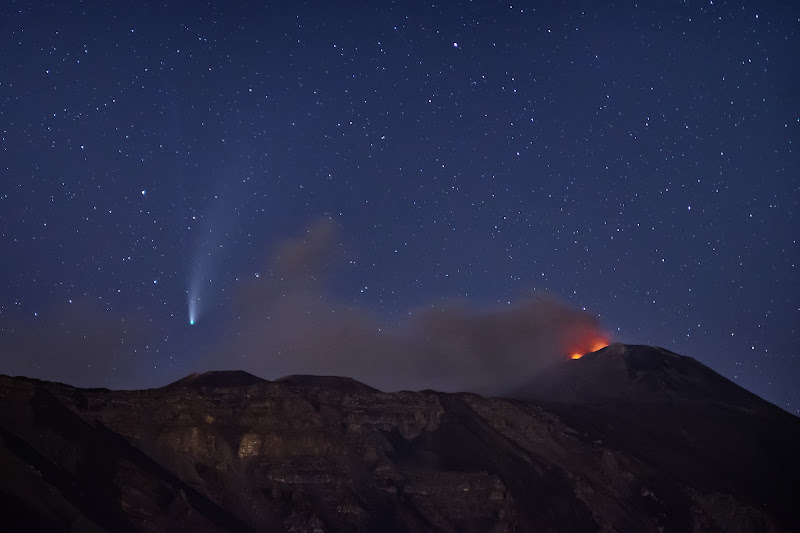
(162, 160)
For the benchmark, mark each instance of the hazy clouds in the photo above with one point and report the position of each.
(290, 325)
(287, 323)
(75, 343)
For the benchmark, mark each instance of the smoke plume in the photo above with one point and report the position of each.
(287, 323)
(290, 325)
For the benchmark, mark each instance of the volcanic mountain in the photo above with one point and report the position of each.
(629, 438)
(682, 417)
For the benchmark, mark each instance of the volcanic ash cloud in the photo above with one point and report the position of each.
(290, 325)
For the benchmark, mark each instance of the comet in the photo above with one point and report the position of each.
(209, 238)
(192, 311)
(193, 297)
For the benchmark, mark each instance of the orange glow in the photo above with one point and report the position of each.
(590, 341)
(599, 345)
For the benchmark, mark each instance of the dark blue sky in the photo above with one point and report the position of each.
(637, 161)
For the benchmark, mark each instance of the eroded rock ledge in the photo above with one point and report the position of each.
(230, 452)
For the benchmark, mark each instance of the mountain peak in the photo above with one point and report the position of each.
(635, 351)
(635, 373)
(218, 378)
(330, 382)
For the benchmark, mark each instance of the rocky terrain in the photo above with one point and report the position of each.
(628, 438)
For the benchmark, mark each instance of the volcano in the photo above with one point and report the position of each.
(628, 438)
(682, 417)
(619, 374)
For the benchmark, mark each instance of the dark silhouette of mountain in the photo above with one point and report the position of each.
(628, 438)
(330, 382)
(639, 374)
(219, 378)
(679, 415)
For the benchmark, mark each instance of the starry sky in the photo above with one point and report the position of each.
(631, 160)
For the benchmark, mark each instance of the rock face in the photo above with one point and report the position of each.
(227, 451)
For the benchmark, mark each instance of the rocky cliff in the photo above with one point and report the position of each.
(227, 451)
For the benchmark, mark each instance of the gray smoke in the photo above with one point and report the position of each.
(290, 325)
(287, 323)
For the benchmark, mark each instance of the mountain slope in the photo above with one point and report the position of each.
(682, 417)
(227, 451)
(634, 373)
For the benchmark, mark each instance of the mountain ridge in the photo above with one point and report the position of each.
(229, 451)
(636, 372)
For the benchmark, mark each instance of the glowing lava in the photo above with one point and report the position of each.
(587, 345)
